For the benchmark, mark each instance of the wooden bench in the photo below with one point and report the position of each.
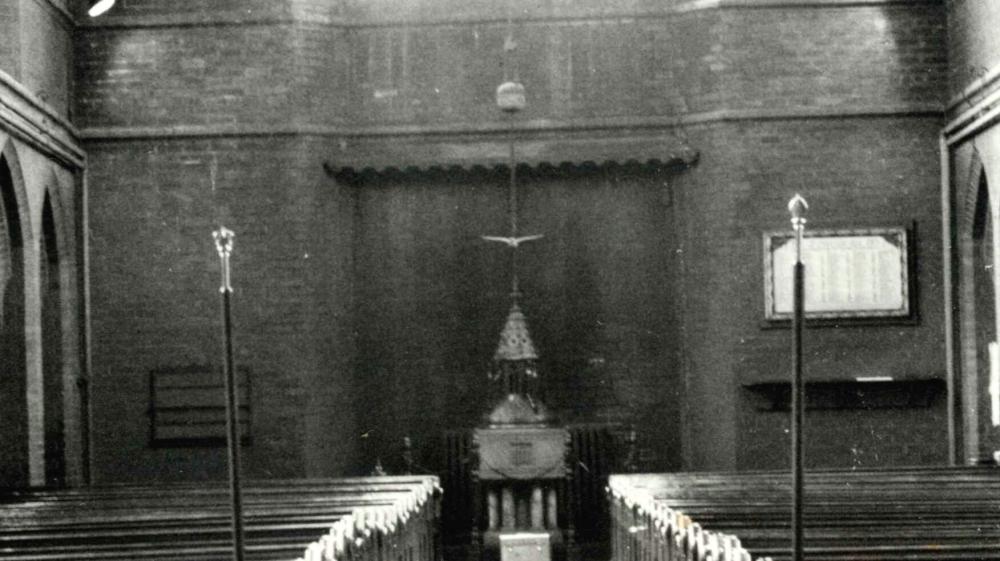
(912, 514)
(365, 519)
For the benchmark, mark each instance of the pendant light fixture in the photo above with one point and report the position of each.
(98, 7)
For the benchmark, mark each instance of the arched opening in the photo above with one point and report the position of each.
(985, 314)
(13, 405)
(52, 356)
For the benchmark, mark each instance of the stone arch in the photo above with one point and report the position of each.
(977, 237)
(970, 194)
(50, 264)
(61, 220)
(65, 418)
(984, 310)
(9, 153)
(15, 234)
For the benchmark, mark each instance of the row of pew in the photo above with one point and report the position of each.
(878, 515)
(390, 518)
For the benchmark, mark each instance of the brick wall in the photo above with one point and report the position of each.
(203, 76)
(571, 69)
(668, 64)
(854, 173)
(314, 71)
(433, 296)
(10, 50)
(35, 50)
(833, 58)
(155, 299)
(645, 298)
(973, 46)
(46, 36)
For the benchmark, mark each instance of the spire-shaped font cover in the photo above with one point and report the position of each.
(515, 341)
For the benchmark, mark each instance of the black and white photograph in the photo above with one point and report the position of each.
(499, 280)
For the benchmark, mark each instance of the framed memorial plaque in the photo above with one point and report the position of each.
(187, 406)
(860, 273)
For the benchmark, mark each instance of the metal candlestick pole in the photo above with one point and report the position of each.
(797, 207)
(512, 205)
(224, 244)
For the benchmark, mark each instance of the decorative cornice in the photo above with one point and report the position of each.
(908, 110)
(973, 121)
(36, 123)
(499, 128)
(642, 140)
(982, 113)
(421, 154)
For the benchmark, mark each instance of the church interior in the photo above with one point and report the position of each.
(499, 280)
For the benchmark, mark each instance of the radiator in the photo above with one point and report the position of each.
(596, 450)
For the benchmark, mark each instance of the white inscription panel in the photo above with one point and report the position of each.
(848, 273)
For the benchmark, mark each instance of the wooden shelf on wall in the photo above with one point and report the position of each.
(849, 394)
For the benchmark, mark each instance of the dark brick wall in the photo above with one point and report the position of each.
(46, 59)
(665, 65)
(973, 45)
(156, 301)
(571, 69)
(35, 50)
(312, 71)
(858, 438)
(834, 58)
(260, 74)
(854, 173)
(234, 75)
(433, 296)
(645, 298)
(10, 48)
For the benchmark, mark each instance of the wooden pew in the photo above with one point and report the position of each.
(912, 514)
(386, 519)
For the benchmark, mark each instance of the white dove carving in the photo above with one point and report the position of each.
(512, 242)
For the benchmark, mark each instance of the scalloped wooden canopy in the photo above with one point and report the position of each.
(421, 154)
